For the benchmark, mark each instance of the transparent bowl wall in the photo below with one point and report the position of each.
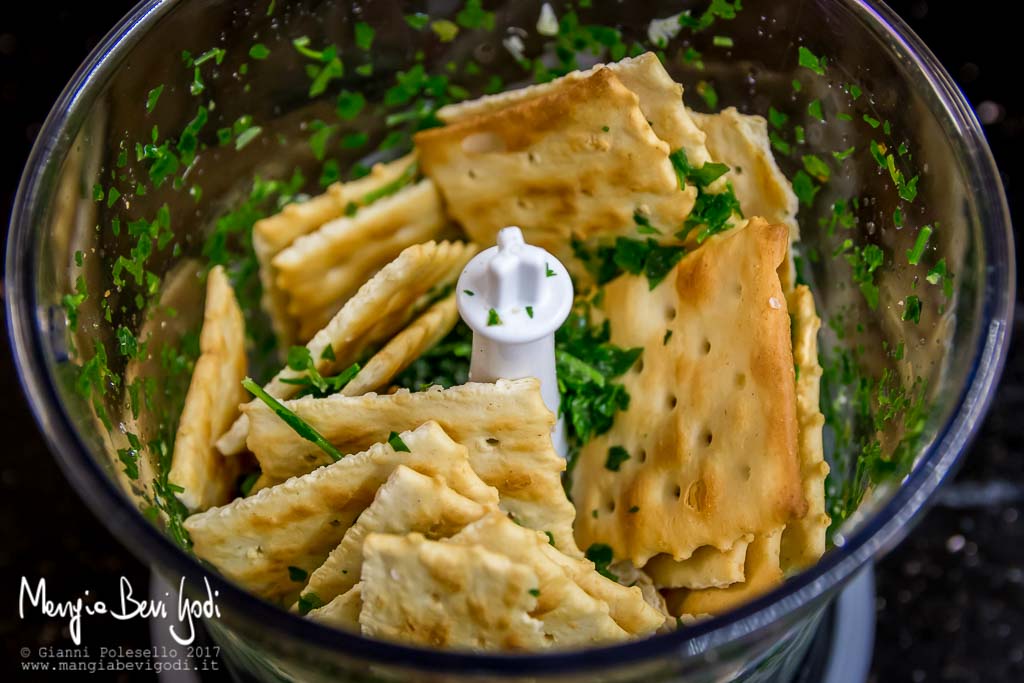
(957, 347)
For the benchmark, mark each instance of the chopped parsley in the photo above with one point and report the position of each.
(529, 311)
(153, 97)
(864, 261)
(259, 51)
(647, 257)
(309, 602)
(547, 270)
(245, 487)
(417, 21)
(809, 60)
(912, 312)
(938, 274)
(586, 363)
(469, 292)
(776, 117)
(804, 188)
(326, 66)
(616, 456)
(445, 30)
(601, 555)
(364, 35)
(708, 93)
(297, 574)
(668, 335)
(395, 441)
(300, 426)
(844, 154)
(312, 383)
(817, 168)
(914, 254)
(349, 104)
(815, 110)
(711, 212)
(493, 318)
(535, 592)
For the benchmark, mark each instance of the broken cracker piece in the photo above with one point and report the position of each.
(320, 271)
(342, 611)
(762, 574)
(447, 596)
(272, 234)
(570, 616)
(660, 99)
(380, 308)
(408, 501)
(405, 347)
(803, 541)
(211, 404)
(505, 426)
(712, 415)
(578, 161)
(253, 541)
(707, 567)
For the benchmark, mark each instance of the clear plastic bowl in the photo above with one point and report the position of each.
(959, 351)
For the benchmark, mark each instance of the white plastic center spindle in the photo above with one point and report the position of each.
(514, 296)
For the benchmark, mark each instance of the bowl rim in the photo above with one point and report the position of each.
(878, 534)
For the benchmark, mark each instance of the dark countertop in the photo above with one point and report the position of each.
(950, 599)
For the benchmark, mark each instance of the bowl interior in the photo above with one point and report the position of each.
(205, 117)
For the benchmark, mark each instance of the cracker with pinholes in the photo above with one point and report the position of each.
(211, 404)
(761, 571)
(253, 541)
(712, 415)
(408, 501)
(320, 271)
(447, 596)
(272, 234)
(803, 541)
(660, 99)
(570, 616)
(741, 142)
(405, 347)
(505, 426)
(707, 567)
(380, 308)
(341, 612)
(580, 161)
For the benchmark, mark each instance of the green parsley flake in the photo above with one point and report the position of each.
(247, 136)
(616, 456)
(779, 144)
(817, 168)
(708, 93)
(912, 312)
(547, 270)
(469, 292)
(492, 318)
(668, 335)
(259, 51)
(635, 509)
(445, 30)
(776, 117)
(364, 35)
(854, 90)
(349, 104)
(309, 602)
(152, 98)
(722, 41)
(396, 443)
(417, 21)
(939, 273)
(297, 574)
(809, 60)
(300, 426)
(529, 311)
(601, 555)
(815, 110)
(844, 154)
(535, 592)
(804, 188)
(250, 480)
(474, 16)
(872, 121)
(914, 254)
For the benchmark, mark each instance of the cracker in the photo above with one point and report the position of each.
(408, 501)
(405, 347)
(762, 574)
(320, 271)
(211, 404)
(741, 142)
(447, 596)
(628, 575)
(505, 426)
(380, 308)
(660, 99)
(803, 541)
(254, 540)
(341, 612)
(548, 166)
(272, 234)
(712, 416)
(570, 616)
(626, 605)
(708, 567)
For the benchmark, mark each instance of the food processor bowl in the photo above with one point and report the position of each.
(933, 343)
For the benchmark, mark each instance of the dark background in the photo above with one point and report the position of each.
(950, 599)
